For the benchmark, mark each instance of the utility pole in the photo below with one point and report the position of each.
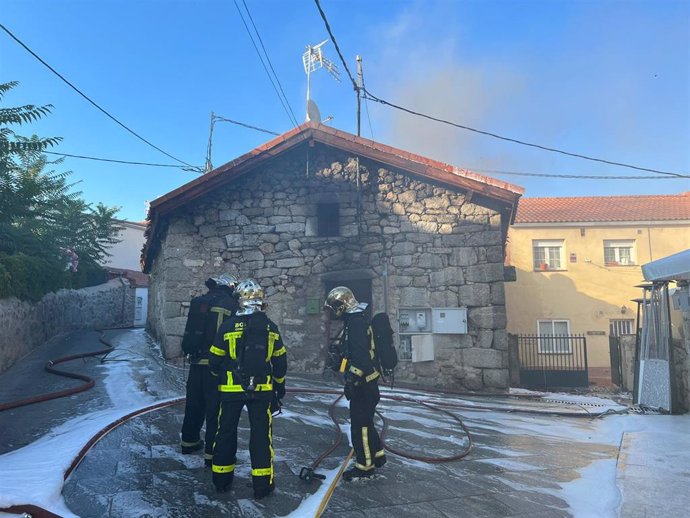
(209, 166)
(359, 94)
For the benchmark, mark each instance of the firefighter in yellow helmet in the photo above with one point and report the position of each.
(361, 381)
(248, 356)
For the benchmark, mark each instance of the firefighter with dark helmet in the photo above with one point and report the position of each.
(248, 356)
(361, 381)
(206, 313)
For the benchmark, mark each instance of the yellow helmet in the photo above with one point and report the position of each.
(251, 297)
(341, 300)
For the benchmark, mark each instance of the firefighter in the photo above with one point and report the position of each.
(361, 381)
(248, 355)
(206, 313)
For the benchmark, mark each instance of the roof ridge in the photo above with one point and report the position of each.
(674, 195)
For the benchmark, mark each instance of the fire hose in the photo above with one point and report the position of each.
(307, 473)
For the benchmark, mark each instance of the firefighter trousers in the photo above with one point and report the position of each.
(202, 404)
(365, 439)
(260, 444)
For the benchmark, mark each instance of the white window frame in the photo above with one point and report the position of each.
(554, 251)
(616, 325)
(548, 345)
(617, 245)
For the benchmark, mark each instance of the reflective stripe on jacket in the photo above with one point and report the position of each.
(227, 348)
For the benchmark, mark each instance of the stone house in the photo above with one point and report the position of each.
(316, 208)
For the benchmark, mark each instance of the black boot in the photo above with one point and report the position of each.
(356, 474)
(222, 481)
(262, 492)
(379, 462)
(186, 449)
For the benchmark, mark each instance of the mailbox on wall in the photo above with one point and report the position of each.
(450, 321)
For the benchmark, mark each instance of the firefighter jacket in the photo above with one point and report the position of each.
(249, 358)
(206, 313)
(359, 349)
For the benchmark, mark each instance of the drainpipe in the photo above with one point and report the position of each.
(385, 284)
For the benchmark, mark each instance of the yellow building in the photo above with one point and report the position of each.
(577, 263)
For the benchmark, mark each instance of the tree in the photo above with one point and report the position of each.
(43, 221)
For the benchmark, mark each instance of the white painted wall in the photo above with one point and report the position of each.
(127, 253)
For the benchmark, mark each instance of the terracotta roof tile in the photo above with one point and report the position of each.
(661, 207)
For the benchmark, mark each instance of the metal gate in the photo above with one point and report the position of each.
(616, 363)
(553, 361)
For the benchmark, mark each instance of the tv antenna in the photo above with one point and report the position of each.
(313, 59)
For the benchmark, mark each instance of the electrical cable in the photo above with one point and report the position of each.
(92, 101)
(577, 176)
(223, 119)
(289, 113)
(258, 35)
(368, 94)
(69, 155)
(366, 107)
(335, 44)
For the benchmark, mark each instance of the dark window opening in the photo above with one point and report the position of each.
(328, 215)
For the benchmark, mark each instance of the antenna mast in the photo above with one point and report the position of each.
(313, 59)
(359, 93)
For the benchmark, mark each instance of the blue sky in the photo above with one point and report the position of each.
(609, 79)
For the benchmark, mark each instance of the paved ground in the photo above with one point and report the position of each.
(520, 465)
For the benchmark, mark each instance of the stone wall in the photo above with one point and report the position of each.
(681, 360)
(24, 325)
(418, 244)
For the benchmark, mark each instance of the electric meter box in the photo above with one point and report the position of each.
(449, 321)
(414, 320)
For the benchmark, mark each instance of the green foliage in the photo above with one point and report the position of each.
(41, 216)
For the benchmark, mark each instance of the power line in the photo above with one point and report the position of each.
(371, 96)
(577, 176)
(291, 116)
(335, 43)
(251, 19)
(219, 118)
(184, 168)
(90, 100)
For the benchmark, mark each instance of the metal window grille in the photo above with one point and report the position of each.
(621, 327)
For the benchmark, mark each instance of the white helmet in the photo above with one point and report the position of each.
(251, 297)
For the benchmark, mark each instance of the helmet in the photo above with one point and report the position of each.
(251, 297)
(341, 300)
(226, 279)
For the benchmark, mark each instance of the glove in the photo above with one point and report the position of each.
(279, 389)
(351, 382)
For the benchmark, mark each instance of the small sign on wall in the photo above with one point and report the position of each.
(313, 306)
